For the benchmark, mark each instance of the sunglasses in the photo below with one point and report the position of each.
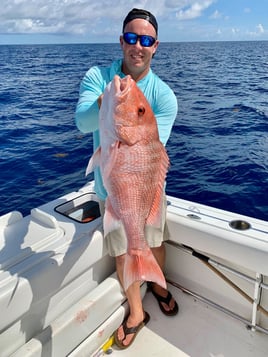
(131, 38)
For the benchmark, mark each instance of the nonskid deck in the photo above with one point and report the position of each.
(199, 330)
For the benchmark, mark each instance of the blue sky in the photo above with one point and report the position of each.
(98, 21)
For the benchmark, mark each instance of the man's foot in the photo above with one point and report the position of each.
(125, 335)
(165, 300)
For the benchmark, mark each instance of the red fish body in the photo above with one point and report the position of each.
(133, 164)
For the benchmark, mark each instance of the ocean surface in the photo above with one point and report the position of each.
(218, 147)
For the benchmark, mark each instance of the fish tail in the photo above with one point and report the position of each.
(141, 265)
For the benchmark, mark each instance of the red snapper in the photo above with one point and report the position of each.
(133, 163)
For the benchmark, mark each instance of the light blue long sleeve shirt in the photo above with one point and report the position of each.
(160, 96)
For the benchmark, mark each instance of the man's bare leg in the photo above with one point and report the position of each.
(136, 313)
(160, 255)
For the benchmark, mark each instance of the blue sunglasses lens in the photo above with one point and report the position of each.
(132, 38)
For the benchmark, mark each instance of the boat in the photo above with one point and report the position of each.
(60, 295)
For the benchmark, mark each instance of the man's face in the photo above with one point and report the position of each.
(137, 58)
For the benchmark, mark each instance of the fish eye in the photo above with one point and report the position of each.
(141, 111)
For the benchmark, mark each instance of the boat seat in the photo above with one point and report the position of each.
(98, 314)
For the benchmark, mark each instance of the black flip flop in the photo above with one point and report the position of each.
(130, 330)
(166, 300)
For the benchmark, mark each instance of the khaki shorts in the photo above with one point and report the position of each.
(116, 240)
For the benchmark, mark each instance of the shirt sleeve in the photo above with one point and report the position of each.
(87, 109)
(165, 109)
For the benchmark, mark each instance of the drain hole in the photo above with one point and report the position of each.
(240, 225)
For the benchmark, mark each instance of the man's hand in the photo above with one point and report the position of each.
(99, 100)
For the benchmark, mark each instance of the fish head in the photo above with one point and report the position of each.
(133, 117)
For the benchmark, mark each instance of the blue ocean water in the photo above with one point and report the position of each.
(218, 147)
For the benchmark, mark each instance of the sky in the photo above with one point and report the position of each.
(100, 21)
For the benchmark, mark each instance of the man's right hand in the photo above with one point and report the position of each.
(99, 100)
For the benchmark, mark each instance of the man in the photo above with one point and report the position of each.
(139, 44)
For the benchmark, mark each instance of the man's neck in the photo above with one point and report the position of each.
(136, 76)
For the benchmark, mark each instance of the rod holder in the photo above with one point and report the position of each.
(240, 225)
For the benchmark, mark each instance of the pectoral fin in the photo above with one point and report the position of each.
(94, 161)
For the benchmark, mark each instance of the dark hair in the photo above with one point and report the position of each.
(140, 14)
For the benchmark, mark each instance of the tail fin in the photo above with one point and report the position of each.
(142, 266)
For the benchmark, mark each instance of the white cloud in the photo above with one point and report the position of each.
(61, 16)
(259, 31)
(260, 28)
(193, 10)
(88, 17)
(235, 30)
(216, 15)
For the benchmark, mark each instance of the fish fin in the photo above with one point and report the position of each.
(154, 217)
(141, 265)
(110, 159)
(94, 161)
(110, 221)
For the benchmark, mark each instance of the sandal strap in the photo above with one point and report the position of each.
(130, 330)
(165, 300)
(135, 329)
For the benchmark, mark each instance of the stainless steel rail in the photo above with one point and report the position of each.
(212, 264)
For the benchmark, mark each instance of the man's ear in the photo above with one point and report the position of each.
(121, 40)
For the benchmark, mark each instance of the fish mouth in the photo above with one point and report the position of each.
(122, 88)
(122, 85)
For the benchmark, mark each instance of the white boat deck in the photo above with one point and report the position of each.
(198, 330)
(60, 296)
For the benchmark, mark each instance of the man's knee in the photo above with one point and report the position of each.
(120, 260)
